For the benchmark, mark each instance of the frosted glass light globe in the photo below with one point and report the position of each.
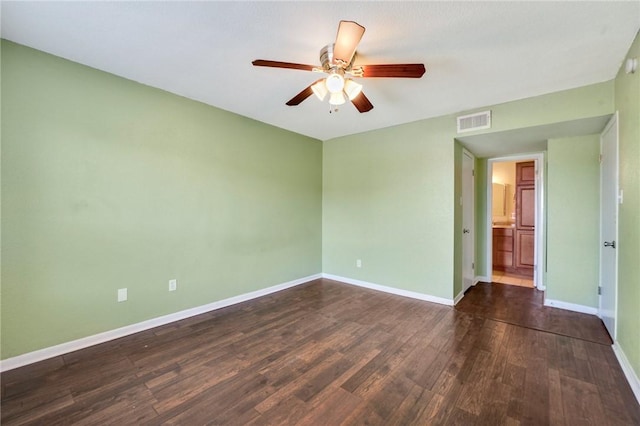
(335, 83)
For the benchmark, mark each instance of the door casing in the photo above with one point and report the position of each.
(468, 221)
(538, 270)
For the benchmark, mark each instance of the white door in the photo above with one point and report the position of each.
(468, 210)
(609, 225)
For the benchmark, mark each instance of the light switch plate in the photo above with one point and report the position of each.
(122, 294)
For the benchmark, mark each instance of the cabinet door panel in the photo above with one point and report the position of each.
(526, 173)
(525, 249)
(504, 243)
(526, 207)
(503, 259)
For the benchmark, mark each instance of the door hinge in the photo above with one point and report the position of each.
(599, 290)
(600, 158)
(473, 172)
(473, 265)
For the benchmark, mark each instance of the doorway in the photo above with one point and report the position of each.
(515, 220)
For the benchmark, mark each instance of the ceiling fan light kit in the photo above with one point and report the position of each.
(352, 89)
(320, 89)
(337, 61)
(334, 83)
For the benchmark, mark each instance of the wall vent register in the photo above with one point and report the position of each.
(475, 121)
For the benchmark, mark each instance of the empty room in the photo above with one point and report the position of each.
(320, 213)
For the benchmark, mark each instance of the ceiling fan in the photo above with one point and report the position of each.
(337, 61)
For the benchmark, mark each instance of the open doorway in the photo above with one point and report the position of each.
(515, 220)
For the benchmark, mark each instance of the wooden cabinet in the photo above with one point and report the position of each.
(524, 239)
(526, 173)
(503, 249)
(513, 250)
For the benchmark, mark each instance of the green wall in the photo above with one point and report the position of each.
(573, 220)
(481, 218)
(627, 101)
(107, 183)
(388, 200)
(391, 197)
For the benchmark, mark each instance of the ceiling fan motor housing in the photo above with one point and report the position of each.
(326, 59)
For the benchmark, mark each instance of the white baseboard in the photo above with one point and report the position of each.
(392, 290)
(483, 279)
(628, 371)
(63, 348)
(571, 306)
(458, 297)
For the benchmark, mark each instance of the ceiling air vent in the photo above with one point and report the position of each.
(475, 121)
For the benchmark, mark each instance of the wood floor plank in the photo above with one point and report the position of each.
(581, 402)
(536, 393)
(556, 410)
(333, 409)
(287, 411)
(330, 353)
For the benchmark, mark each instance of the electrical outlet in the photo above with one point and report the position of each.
(359, 263)
(122, 294)
(173, 285)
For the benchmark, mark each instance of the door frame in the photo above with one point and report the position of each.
(472, 226)
(613, 121)
(539, 255)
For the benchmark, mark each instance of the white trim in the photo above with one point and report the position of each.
(458, 298)
(627, 369)
(472, 225)
(539, 256)
(613, 122)
(483, 279)
(392, 290)
(74, 345)
(571, 306)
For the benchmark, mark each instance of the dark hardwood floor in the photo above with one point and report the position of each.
(525, 307)
(328, 353)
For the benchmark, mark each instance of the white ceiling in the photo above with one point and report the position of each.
(476, 53)
(530, 139)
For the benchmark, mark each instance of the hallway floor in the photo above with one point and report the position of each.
(525, 307)
(512, 279)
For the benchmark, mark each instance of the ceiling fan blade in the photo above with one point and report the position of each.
(306, 92)
(277, 64)
(393, 70)
(349, 35)
(362, 103)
